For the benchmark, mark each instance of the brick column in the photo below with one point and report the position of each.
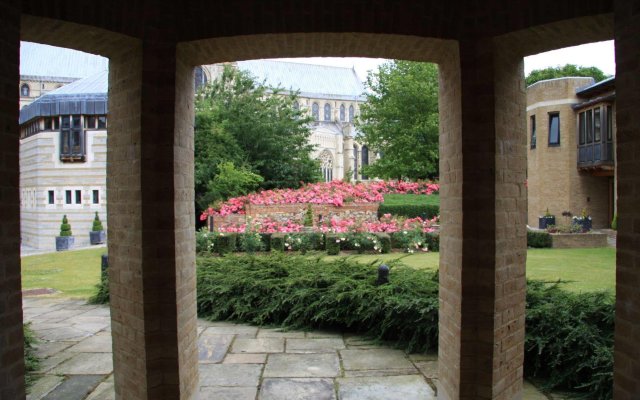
(11, 336)
(627, 348)
(151, 223)
(483, 242)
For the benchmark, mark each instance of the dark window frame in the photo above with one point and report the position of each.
(67, 197)
(327, 112)
(78, 196)
(315, 111)
(51, 197)
(72, 139)
(95, 196)
(557, 142)
(534, 139)
(25, 90)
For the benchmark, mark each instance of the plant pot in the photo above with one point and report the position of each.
(543, 222)
(585, 223)
(97, 237)
(64, 242)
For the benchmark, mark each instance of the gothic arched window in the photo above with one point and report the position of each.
(315, 111)
(326, 165)
(199, 78)
(356, 156)
(342, 113)
(327, 112)
(25, 90)
(351, 113)
(365, 159)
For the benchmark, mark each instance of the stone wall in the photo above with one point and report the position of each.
(297, 212)
(578, 240)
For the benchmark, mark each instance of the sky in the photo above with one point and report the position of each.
(599, 54)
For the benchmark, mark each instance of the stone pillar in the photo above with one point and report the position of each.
(11, 336)
(626, 349)
(151, 223)
(483, 211)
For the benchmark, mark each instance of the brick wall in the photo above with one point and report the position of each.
(11, 337)
(626, 349)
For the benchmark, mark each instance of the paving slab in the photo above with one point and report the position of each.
(65, 333)
(297, 389)
(104, 391)
(43, 385)
(275, 333)
(246, 358)
(86, 364)
(428, 368)
(100, 343)
(323, 334)
(380, 372)
(49, 363)
(212, 348)
(316, 365)
(48, 349)
(74, 388)
(265, 345)
(247, 375)
(230, 329)
(375, 359)
(411, 387)
(228, 393)
(319, 345)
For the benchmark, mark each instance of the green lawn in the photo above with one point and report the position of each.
(72, 273)
(75, 273)
(411, 199)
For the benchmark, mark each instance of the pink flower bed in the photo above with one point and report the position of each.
(336, 193)
(386, 224)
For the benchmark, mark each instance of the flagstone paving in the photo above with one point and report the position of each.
(236, 361)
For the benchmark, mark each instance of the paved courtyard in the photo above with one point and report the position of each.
(236, 361)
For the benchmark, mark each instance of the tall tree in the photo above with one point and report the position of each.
(566, 70)
(400, 120)
(254, 127)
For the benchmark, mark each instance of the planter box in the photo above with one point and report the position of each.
(64, 242)
(543, 222)
(578, 240)
(584, 223)
(97, 237)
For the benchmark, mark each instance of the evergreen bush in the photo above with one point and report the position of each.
(332, 244)
(102, 295)
(97, 224)
(65, 227)
(433, 241)
(385, 241)
(266, 240)
(539, 239)
(424, 211)
(225, 243)
(31, 360)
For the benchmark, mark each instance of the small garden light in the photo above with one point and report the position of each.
(383, 274)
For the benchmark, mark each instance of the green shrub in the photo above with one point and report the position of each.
(308, 217)
(385, 241)
(31, 360)
(424, 211)
(569, 339)
(102, 295)
(303, 292)
(277, 241)
(538, 239)
(433, 241)
(304, 241)
(225, 243)
(65, 227)
(332, 244)
(205, 241)
(97, 224)
(266, 239)
(251, 242)
(409, 241)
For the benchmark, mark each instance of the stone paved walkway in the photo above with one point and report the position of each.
(236, 362)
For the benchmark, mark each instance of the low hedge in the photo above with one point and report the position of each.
(226, 243)
(539, 239)
(569, 337)
(424, 211)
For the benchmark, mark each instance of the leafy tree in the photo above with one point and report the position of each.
(400, 120)
(567, 70)
(256, 128)
(231, 181)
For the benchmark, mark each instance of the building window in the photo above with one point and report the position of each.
(355, 162)
(554, 129)
(25, 91)
(342, 113)
(351, 113)
(95, 196)
(365, 159)
(51, 197)
(533, 131)
(199, 78)
(78, 197)
(582, 128)
(67, 196)
(596, 125)
(589, 126)
(71, 139)
(327, 112)
(315, 111)
(326, 165)
(609, 124)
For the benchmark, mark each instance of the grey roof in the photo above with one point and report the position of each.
(40, 60)
(84, 96)
(311, 80)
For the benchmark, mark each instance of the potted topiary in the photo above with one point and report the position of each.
(66, 240)
(546, 220)
(97, 234)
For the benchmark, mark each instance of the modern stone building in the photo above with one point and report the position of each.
(63, 154)
(479, 47)
(571, 142)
